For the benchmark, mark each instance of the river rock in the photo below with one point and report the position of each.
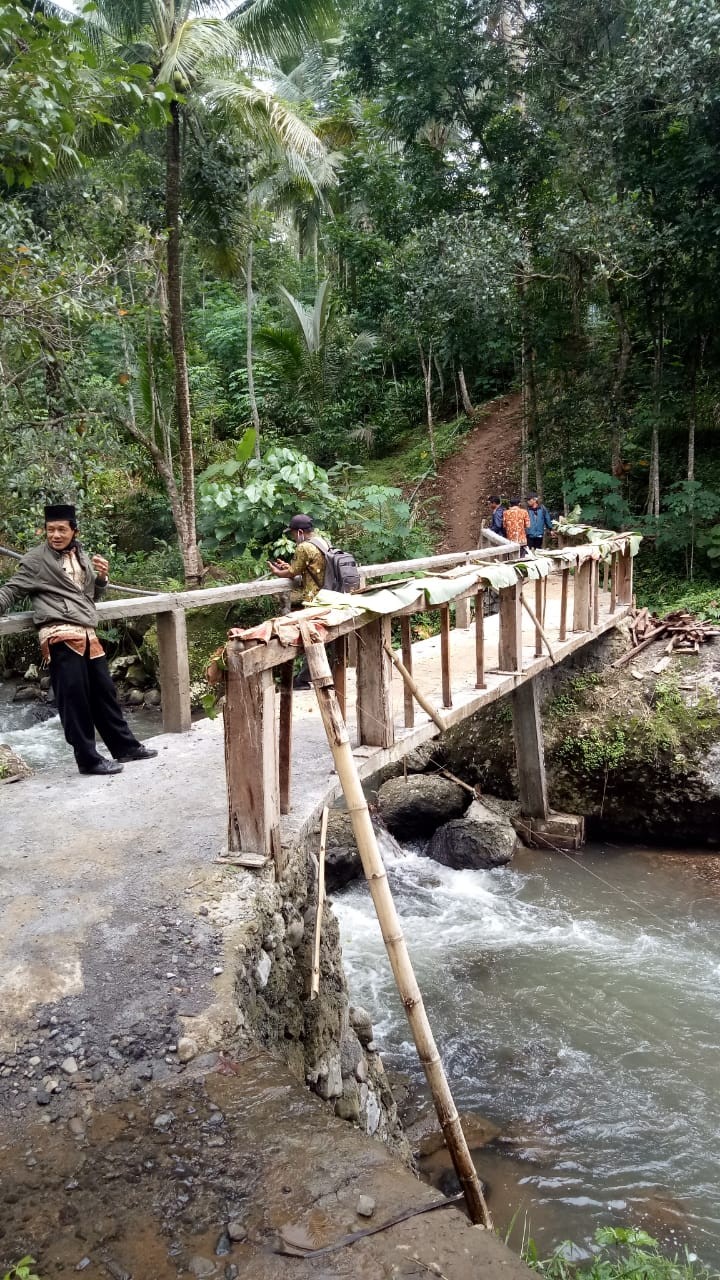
(152, 698)
(26, 693)
(414, 807)
(137, 676)
(187, 1049)
(365, 1207)
(32, 674)
(479, 840)
(135, 698)
(342, 860)
(12, 766)
(361, 1023)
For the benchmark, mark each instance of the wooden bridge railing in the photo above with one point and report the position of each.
(170, 609)
(258, 741)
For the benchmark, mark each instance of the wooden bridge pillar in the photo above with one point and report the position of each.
(174, 671)
(376, 727)
(251, 760)
(624, 567)
(582, 602)
(529, 751)
(510, 629)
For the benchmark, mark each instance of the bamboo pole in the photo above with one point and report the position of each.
(410, 684)
(393, 937)
(315, 981)
(539, 629)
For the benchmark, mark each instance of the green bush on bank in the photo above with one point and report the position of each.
(623, 1253)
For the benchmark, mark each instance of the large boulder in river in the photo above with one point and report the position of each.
(413, 808)
(478, 841)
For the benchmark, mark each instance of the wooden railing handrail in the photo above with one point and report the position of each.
(165, 602)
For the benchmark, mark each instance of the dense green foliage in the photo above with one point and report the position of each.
(344, 226)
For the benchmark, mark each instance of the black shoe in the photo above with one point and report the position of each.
(104, 766)
(140, 753)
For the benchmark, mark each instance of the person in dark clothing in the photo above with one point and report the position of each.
(64, 583)
(496, 520)
(539, 522)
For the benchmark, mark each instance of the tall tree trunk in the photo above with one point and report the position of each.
(427, 379)
(653, 501)
(531, 431)
(249, 308)
(466, 401)
(618, 383)
(187, 535)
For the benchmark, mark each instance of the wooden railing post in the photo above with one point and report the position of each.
(510, 624)
(613, 581)
(581, 596)
(251, 760)
(375, 723)
(340, 664)
(565, 579)
(174, 671)
(480, 640)
(462, 613)
(445, 655)
(406, 648)
(625, 577)
(287, 674)
(539, 616)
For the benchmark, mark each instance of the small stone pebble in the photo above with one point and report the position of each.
(223, 1246)
(69, 1066)
(83, 1264)
(76, 1127)
(42, 1097)
(237, 1231)
(187, 1049)
(202, 1267)
(231, 1271)
(365, 1207)
(163, 1121)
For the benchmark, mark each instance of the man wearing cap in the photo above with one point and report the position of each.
(64, 584)
(308, 563)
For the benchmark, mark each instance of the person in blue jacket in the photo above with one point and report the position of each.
(496, 519)
(539, 522)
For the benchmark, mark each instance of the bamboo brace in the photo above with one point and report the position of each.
(376, 877)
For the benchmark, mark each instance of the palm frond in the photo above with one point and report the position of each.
(303, 317)
(321, 311)
(280, 27)
(196, 43)
(260, 114)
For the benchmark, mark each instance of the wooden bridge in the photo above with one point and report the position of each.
(548, 609)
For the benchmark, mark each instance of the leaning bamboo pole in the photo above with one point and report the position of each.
(392, 933)
(414, 689)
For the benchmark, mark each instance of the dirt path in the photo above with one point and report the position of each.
(487, 463)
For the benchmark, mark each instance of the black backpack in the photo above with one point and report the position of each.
(341, 567)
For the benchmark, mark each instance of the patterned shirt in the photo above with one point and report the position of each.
(516, 523)
(74, 636)
(308, 563)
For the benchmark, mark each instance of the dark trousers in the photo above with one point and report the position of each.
(535, 544)
(86, 700)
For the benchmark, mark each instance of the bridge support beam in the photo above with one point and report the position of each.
(529, 751)
(510, 629)
(375, 723)
(174, 671)
(582, 601)
(251, 760)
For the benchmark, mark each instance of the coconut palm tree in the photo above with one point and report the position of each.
(222, 63)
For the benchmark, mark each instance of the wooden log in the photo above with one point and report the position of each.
(529, 751)
(340, 671)
(315, 980)
(638, 648)
(391, 928)
(375, 723)
(287, 672)
(564, 582)
(581, 596)
(480, 640)
(174, 670)
(417, 693)
(538, 616)
(406, 648)
(251, 761)
(596, 593)
(445, 655)
(510, 623)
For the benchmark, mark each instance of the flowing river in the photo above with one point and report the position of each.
(33, 729)
(581, 1015)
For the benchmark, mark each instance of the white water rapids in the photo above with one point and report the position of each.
(587, 1025)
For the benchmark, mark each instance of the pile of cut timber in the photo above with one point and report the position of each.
(683, 632)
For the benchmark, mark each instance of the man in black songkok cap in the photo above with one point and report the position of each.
(64, 583)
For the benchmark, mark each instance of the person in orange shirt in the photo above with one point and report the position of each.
(516, 523)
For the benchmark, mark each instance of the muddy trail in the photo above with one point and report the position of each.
(487, 462)
(215, 1175)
